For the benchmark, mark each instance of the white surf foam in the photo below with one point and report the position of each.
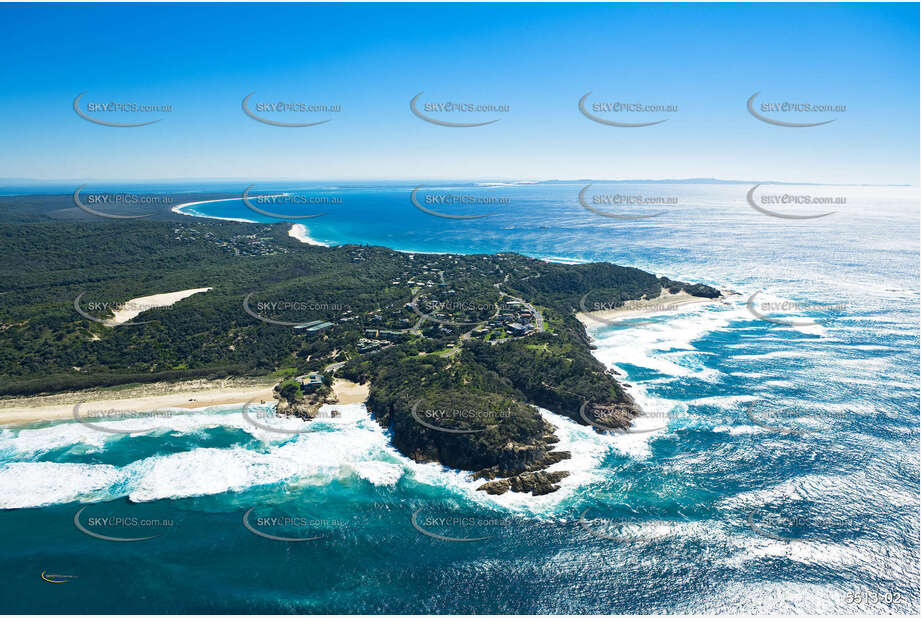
(38, 483)
(666, 344)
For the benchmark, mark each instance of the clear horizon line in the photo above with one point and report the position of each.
(690, 179)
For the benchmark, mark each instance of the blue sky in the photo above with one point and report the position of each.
(537, 59)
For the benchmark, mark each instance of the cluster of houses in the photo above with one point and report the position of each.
(514, 317)
(376, 338)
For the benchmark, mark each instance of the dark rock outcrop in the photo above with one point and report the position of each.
(535, 483)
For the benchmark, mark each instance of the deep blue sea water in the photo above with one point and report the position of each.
(783, 478)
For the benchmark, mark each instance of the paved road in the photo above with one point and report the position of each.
(538, 318)
(334, 367)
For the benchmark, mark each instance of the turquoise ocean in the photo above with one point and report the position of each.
(782, 475)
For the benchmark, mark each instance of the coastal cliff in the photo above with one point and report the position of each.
(475, 407)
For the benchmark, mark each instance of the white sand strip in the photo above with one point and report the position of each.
(145, 398)
(664, 304)
(178, 209)
(300, 232)
(136, 306)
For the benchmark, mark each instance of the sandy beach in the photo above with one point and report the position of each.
(178, 209)
(648, 307)
(299, 232)
(190, 395)
(136, 306)
(350, 392)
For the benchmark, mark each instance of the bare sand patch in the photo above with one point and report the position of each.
(136, 306)
(350, 392)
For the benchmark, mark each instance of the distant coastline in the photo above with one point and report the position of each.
(298, 231)
(179, 209)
